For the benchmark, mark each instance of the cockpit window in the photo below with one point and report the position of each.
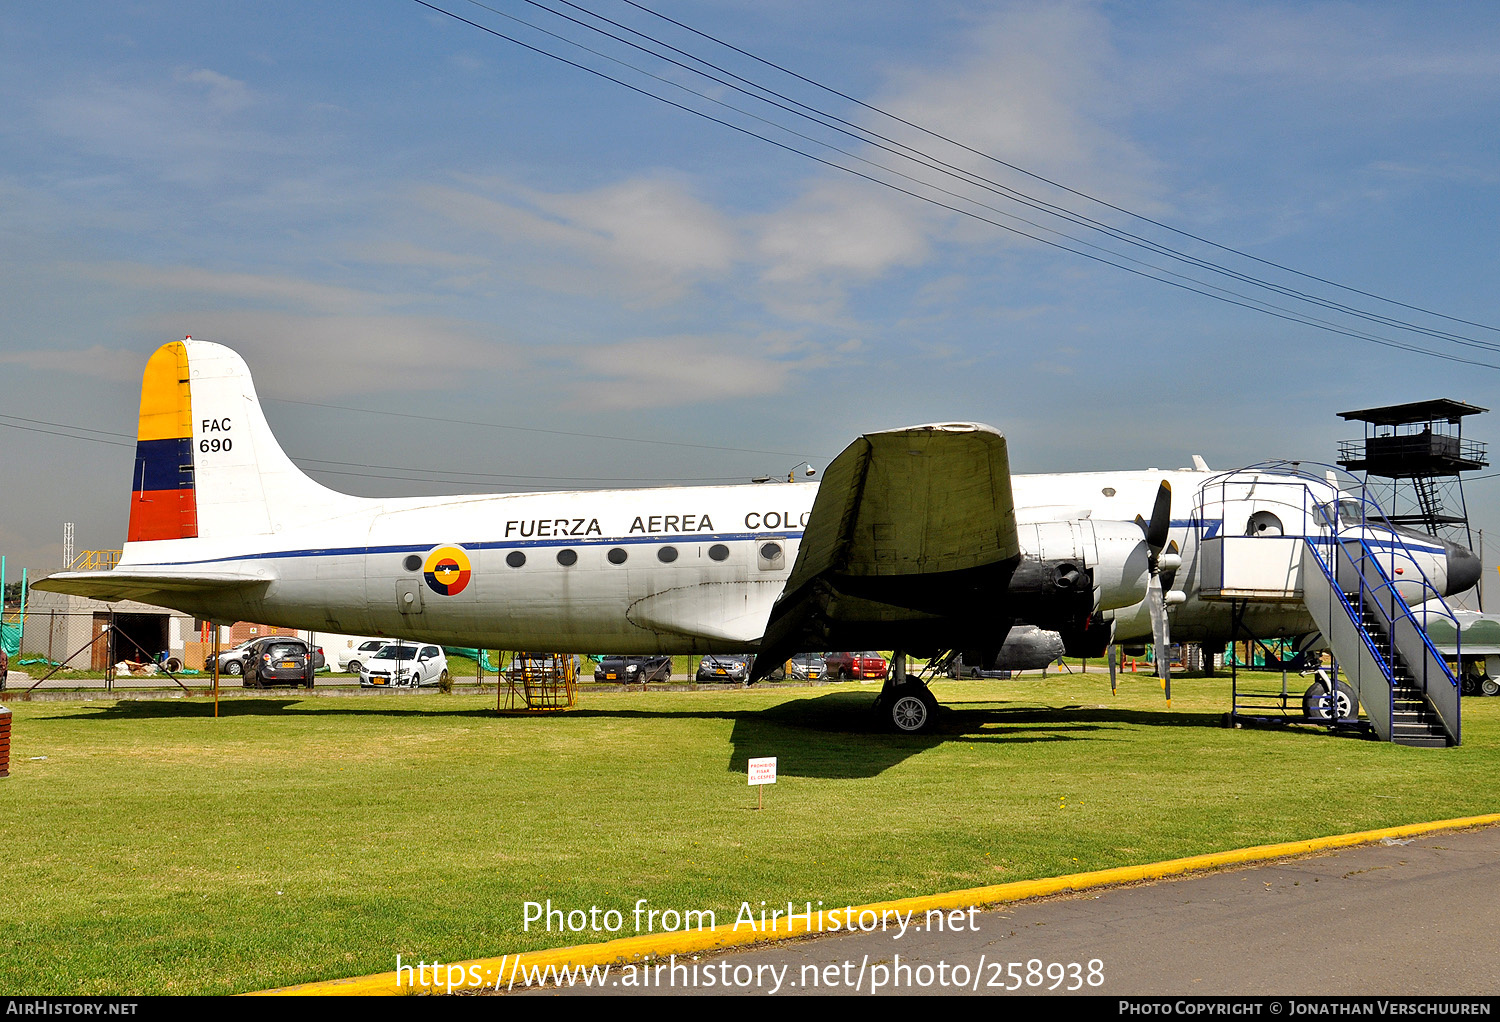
(1354, 512)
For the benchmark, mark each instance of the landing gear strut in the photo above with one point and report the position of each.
(905, 705)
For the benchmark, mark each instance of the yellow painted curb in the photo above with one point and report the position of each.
(492, 973)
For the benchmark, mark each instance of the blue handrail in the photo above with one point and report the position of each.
(1332, 516)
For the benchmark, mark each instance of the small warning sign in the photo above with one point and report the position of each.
(763, 771)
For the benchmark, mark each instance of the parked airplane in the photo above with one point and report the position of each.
(917, 539)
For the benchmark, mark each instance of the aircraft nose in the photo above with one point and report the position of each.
(1464, 568)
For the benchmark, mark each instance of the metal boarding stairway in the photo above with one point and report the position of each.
(1345, 581)
(1408, 693)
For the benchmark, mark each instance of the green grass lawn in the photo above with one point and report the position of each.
(158, 850)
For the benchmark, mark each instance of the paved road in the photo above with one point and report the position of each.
(1416, 918)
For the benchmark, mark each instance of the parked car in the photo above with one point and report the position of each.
(404, 664)
(631, 669)
(232, 661)
(866, 666)
(803, 667)
(350, 661)
(279, 660)
(725, 667)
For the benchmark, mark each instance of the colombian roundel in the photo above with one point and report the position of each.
(446, 570)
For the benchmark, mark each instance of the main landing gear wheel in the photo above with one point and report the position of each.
(1489, 686)
(909, 709)
(1318, 707)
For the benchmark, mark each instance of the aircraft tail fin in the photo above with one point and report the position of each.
(207, 465)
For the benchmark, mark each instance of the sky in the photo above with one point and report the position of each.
(456, 264)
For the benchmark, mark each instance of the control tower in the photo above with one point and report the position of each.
(1413, 457)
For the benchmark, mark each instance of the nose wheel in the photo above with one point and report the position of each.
(1321, 707)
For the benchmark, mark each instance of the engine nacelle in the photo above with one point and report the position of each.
(1111, 556)
(1027, 648)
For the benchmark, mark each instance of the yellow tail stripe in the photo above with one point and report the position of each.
(166, 399)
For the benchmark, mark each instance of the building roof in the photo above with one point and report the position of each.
(1415, 411)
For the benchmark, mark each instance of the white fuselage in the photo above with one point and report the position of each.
(669, 570)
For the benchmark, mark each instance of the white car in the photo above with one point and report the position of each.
(404, 665)
(350, 661)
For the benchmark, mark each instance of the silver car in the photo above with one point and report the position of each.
(802, 667)
(724, 667)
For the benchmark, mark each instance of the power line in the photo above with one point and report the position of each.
(1049, 181)
(412, 474)
(1161, 274)
(906, 152)
(521, 476)
(70, 436)
(539, 487)
(533, 429)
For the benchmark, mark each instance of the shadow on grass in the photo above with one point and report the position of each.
(165, 709)
(839, 736)
(835, 735)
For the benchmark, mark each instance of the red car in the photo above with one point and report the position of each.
(842, 666)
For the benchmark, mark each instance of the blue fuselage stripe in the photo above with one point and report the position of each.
(563, 542)
(519, 544)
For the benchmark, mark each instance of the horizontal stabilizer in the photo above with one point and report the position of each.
(129, 584)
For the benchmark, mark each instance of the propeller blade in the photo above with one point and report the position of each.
(1114, 666)
(1156, 531)
(1160, 635)
(1161, 518)
(1158, 611)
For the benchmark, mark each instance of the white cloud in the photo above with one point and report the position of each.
(224, 94)
(851, 232)
(311, 357)
(98, 361)
(694, 369)
(396, 252)
(647, 239)
(1333, 44)
(1036, 88)
(189, 130)
(1438, 169)
(245, 287)
(1033, 83)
